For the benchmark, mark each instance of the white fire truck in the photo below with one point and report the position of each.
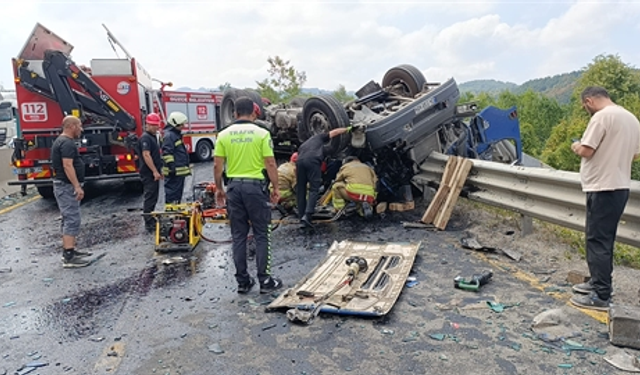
(199, 134)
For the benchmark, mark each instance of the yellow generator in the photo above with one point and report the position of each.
(178, 228)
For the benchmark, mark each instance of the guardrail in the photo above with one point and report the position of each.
(546, 194)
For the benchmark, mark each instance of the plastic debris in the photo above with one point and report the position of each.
(411, 284)
(495, 306)
(437, 336)
(387, 331)
(565, 365)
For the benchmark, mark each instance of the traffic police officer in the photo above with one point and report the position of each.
(247, 150)
(150, 166)
(175, 157)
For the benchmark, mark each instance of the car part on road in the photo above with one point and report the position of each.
(474, 284)
(374, 291)
(355, 265)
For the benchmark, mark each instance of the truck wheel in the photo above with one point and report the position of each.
(45, 192)
(408, 76)
(257, 98)
(204, 150)
(228, 105)
(134, 187)
(321, 114)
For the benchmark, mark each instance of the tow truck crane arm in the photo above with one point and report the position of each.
(98, 107)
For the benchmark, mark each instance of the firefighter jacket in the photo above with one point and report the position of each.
(174, 154)
(287, 179)
(359, 178)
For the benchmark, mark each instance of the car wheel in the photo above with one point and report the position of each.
(204, 150)
(321, 114)
(408, 77)
(45, 191)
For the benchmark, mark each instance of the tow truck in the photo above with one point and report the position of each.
(111, 98)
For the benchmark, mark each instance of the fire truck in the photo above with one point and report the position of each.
(203, 111)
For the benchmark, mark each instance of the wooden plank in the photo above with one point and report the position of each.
(436, 204)
(443, 190)
(462, 172)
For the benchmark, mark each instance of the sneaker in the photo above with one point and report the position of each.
(591, 301)
(584, 288)
(270, 285)
(367, 210)
(79, 254)
(75, 262)
(245, 288)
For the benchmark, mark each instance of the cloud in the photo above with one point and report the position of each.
(205, 44)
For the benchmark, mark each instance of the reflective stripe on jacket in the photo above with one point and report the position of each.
(174, 151)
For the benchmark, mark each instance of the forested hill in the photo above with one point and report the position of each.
(559, 87)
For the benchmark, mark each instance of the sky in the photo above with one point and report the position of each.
(208, 43)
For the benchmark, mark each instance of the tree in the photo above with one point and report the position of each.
(224, 86)
(284, 82)
(623, 84)
(342, 95)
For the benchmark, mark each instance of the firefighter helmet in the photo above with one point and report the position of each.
(256, 110)
(294, 157)
(153, 119)
(177, 119)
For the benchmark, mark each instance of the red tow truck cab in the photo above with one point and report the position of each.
(111, 97)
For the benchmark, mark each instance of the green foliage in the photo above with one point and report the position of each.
(284, 82)
(342, 95)
(558, 87)
(623, 84)
(224, 86)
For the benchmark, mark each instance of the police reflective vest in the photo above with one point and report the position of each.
(174, 153)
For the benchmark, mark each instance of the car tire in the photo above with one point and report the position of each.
(204, 150)
(45, 192)
(322, 114)
(410, 77)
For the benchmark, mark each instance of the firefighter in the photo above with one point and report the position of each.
(175, 157)
(356, 182)
(150, 167)
(247, 150)
(308, 170)
(287, 183)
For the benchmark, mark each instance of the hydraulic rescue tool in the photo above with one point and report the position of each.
(477, 280)
(306, 314)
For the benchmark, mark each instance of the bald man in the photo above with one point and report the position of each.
(68, 169)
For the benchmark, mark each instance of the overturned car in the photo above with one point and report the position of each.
(399, 123)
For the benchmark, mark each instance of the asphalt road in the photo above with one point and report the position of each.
(131, 314)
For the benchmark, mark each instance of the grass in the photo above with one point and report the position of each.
(623, 255)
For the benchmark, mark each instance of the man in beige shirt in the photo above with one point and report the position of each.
(608, 147)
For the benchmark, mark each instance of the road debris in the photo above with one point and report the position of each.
(624, 325)
(576, 277)
(473, 244)
(623, 360)
(216, 348)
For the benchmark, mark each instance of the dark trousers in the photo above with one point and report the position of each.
(151, 191)
(604, 209)
(173, 188)
(248, 206)
(308, 171)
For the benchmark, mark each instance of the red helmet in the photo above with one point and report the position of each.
(153, 119)
(294, 157)
(256, 109)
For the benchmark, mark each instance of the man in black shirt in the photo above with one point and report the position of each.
(68, 170)
(310, 158)
(150, 165)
